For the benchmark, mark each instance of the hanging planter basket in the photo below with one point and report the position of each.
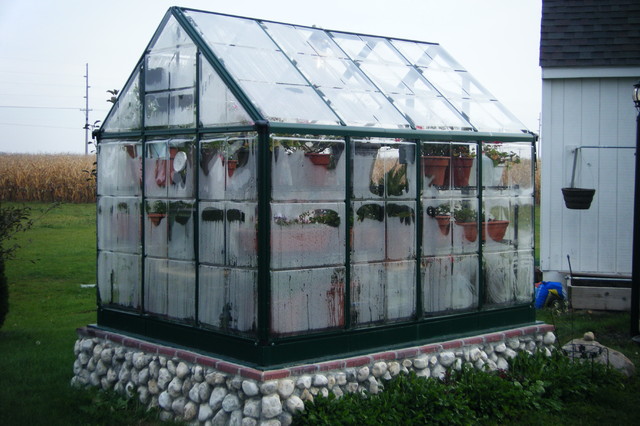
(578, 198)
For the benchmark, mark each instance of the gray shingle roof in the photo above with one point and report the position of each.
(586, 33)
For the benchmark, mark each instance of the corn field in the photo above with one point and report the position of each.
(47, 178)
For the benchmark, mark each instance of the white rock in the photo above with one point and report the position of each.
(250, 388)
(235, 383)
(513, 343)
(171, 366)
(217, 396)
(491, 365)
(407, 363)
(420, 363)
(175, 387)
(230, 403)
(341, 378)
(285, 388)
(165, 401)
(270, 387)
(143, 395)
(134, 376)
(235, 419)
(394, 368)
(164, 377)
(304, 382)
(475, 354)
(294, 404)
(194, 394)
(500, 347)
(204, 391)
(352, 387)
(112, 376)
(101, 368)
(447, 358)
(425, 372)
(83, 358)
(271, 406)
(190, 411)
(502, 364)
(549, 338)
(337, 391)
(510, 353)
(220, 419)
(106, 355)
(324, 392)
(154, 369)
(479, 364)
(252, 407)
(97, 349)
(320, 380)
(143, 376)
(139, 360)
(182, 370)
(363, 374)
(87, 345)
(153, 387)
(248, 421)
(433, 361)
(285, 419)
(177, 406)
(379, 369)
(438, 371)
(204, 412)
(270, 422)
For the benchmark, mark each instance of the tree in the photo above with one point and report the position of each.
(12, 221)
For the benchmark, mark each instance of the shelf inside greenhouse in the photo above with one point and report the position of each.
(274, 193)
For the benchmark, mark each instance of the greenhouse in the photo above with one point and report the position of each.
(274, 193)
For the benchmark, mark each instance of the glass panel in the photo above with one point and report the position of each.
(382, 292)
(181, 230)
(156, 109)
(500, 277)
(449, 283)
(171, 36)
(364, 108)
(368, 232)
(181, 173)
(156, 166)
(307, 169)
(365, 154)
(119, 224)
(119, 168)
(498, 224)
(305, 234)
(218, 106)
(229, 30)
(119, 279)
(126, 113)
(155, 285)
(172, 108)
(400, 229)
(514, 162)
(306, 300)
(181, 289)
(228, 299)
(156, 229)
(523, 229)
(463, 168)
(525, 267)
(436, 228)
(289, 103)
(211, 233)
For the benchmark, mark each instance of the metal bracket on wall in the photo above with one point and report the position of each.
(578, 148)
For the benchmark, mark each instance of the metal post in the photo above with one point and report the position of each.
(86, 110)
(635, 265)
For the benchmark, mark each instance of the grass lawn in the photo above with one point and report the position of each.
(47, 304)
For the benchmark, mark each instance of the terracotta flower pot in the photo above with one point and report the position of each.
(495, 228)
(318, 159)
(437, 168)
(156, 218)
(232, 165)
(470, 230)
(444, 223)
(461, 171)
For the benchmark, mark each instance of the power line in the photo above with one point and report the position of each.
(38, 107)
(39, 125)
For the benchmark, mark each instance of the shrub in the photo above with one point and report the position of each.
(12, 221)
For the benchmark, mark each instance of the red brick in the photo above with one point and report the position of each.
(407, 353)
(303, 369)
(275, 374)
(543, 328)
(206, 360)
(186, 356)
(227, 367)
(493, 337)
(148, 347)
(477, 340)
(513, 333)
(358, 361)
(251, 373)
(530, 330)
(452, 344)
(331, 365)
(117, 338)
(387, 356)
(167, 351)
(430, 349)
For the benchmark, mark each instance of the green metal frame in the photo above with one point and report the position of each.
(264, 350)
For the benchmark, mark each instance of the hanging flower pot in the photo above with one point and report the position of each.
(319, 159)
(435, 167)
(461, 171)
(469, 230)
(496, 229)
(156, 218)
(444, 223)
(578, 198)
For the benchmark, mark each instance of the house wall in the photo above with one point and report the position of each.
(579, 108)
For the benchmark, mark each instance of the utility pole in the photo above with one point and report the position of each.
(86, 110)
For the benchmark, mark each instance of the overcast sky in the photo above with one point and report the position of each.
(45, 44)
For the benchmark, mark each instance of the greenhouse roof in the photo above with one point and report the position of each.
(255, 70)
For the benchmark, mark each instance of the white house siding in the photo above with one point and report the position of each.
(577, 112)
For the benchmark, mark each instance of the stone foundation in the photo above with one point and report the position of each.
(204, 390)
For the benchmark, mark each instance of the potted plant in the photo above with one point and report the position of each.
(466, 217)
(442, 215)
(435, 163)
(499, 159)
(462, 161)
(181, 212)
(156, 211)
